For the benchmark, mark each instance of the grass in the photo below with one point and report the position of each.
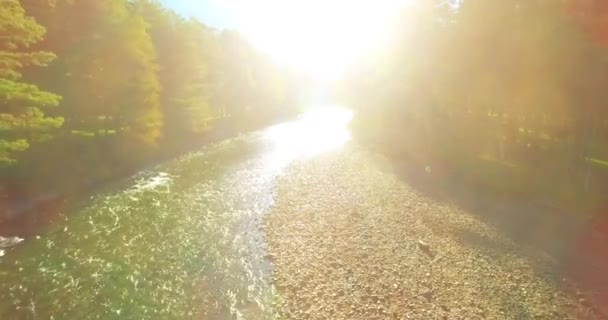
(599, 162)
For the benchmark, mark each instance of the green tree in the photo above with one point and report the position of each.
(185, 49)
(137, 82)
(506, 85)
(22, 121)
(106, 71)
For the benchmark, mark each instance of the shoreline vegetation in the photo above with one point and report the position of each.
(29, 212)
(506, 97)
(93, 90)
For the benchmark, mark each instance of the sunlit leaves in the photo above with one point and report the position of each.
(12, 92)
(7, 147)
(113, 77)
(17, 30)
(20, 103)
(136, 80)
(515, 79)
(184, 51)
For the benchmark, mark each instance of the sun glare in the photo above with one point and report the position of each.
(318, 37)
(317, 131)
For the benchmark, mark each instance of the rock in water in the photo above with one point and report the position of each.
(9, 242)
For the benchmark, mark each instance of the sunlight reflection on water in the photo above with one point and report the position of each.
(181, 240)
(313, 133)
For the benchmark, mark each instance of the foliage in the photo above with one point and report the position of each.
(137, 81)
(517, 81)
(21, 120)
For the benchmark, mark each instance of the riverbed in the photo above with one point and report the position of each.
(181, 240)
(296, 222)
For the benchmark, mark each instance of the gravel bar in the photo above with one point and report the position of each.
(351, 240)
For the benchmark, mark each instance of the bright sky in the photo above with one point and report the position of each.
(319, 37)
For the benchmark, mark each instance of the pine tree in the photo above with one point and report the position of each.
(21, 118)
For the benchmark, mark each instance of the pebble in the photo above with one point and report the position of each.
(351, 267)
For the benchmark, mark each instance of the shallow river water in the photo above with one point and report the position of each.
(181, 240)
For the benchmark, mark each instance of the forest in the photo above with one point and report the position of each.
(93, 89)
(507, 96)
(452, 165)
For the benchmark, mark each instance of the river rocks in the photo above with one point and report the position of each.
(7, 242)
(349, 241)
(425, 248)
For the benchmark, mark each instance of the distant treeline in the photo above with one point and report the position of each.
(93, 88)
(509, 95)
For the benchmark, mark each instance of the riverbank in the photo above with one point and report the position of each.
(29, 202)
(352, 239)
(165, 243)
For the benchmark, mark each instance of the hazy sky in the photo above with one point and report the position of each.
(320, 37)
(210, 12)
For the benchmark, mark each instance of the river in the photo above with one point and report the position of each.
(181, 240)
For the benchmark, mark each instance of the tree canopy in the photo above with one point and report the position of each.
(129, 82)
(484, 88)
(21, 118)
